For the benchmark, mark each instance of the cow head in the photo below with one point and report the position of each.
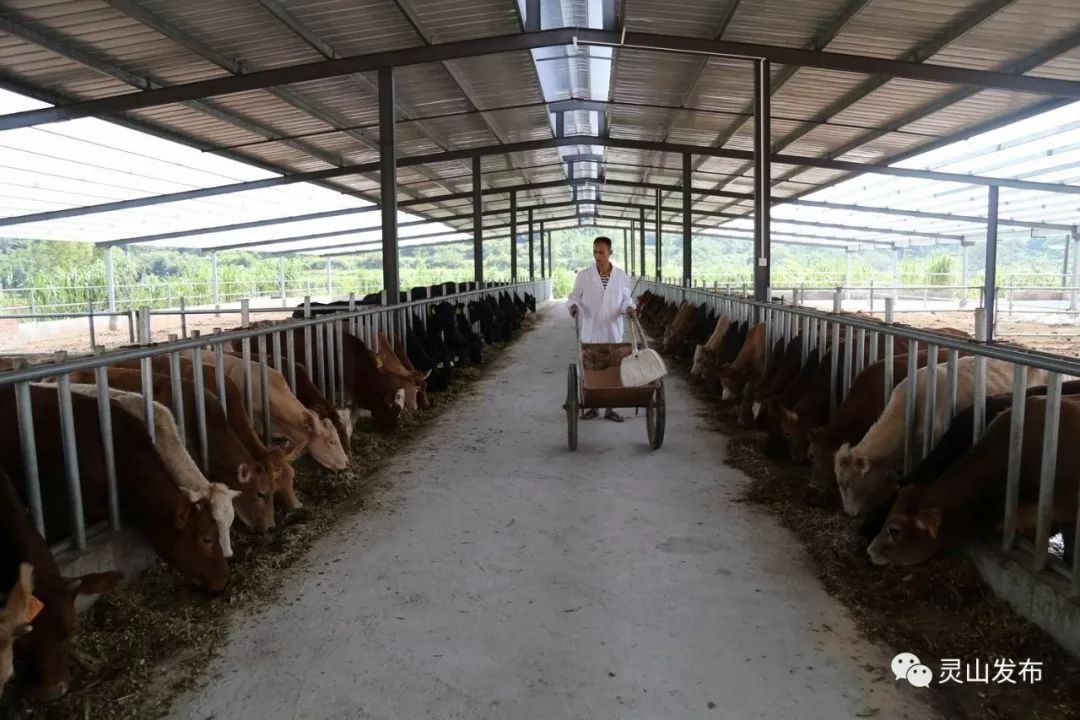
(283, 475)
(793, 428)
(821, 451)
(220, 497)
(193, 544)
(46, 648)
(15, 619)
(732, 381)
(697, 367)
(910, 534)
(254, 503)
(863, 483)
(323, 442)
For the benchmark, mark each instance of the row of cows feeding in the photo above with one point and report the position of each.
(954, 496)
(182, 512)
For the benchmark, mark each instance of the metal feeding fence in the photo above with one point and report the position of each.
(821, 329)
(325, 333)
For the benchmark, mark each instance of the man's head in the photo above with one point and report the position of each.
(601, 250)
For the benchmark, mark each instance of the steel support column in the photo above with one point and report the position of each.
(551, 251)
(388, 185)
(762, 179)
(513, 237)
(687, 205)
(1074, 238)
(478, 221)
(990, 283)
(110, 280)
(641, 223)
(110, 287)
(625, 245)
(896, 265)
(659, 242)
(963, 274)
(543, 252)
(532, 270)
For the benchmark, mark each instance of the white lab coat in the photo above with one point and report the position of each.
(601, 308)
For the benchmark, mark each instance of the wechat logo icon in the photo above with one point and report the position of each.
(906, 666)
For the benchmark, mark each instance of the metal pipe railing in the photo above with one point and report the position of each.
(1023, 360)
(330, 328)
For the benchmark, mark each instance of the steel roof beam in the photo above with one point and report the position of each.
(819, 41)
(197, 47)
(925, 215)
(608, 105)
(916, 54)
(75, 54)
(442, 52)
(287, 19)
(1026, 64)
(414, 20)
(530, 145)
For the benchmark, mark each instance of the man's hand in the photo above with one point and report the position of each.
(573, 311)
(631, 312)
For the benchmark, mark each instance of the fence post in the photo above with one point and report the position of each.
(838, 301)
(1075, 240)
(281, 280)
(110, 287)
(215, 296)
(963, 275)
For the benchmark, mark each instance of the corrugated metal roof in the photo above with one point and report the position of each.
(98, 48)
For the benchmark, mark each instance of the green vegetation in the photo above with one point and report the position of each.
(66, 275)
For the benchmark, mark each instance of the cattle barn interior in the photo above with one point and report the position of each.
(359, 503)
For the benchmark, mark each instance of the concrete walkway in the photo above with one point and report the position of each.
(517, 580)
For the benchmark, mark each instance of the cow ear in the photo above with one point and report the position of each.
(182, 513)
(929, 519)
(96, 583)
(861, 463)
(309, 421)
(789, 415)
(243, 473)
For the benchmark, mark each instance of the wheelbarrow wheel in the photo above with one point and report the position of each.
(572, 409)
(655, 415)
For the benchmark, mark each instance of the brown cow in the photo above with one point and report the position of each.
(866, 471)
(747, 367)
(389, 363)
(183, 533)
(422, 400)
(855, 416)
(189, 478)
(276, 458)
(231, 463)
(15, 619)
(45, 653)
(310, 397)
(966, 502)
(289, 417)
(711, 346)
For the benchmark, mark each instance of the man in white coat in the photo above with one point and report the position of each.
(601, 295)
